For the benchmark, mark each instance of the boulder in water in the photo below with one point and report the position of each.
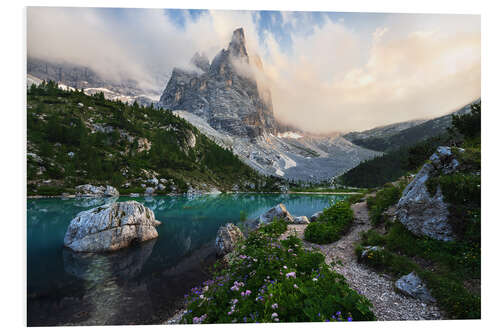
(300, 220)
(111, 227)
(277, 212)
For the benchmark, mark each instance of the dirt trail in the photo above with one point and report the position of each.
(379, 289)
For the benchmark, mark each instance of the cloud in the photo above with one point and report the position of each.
(333, 76)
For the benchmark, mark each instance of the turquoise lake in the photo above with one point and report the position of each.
(140, 285)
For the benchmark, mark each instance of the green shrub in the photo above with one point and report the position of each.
(452, 263)
(331, 225)
(269, 281)
(387, 196)
(355, 198)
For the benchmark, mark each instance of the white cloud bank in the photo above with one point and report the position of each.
(334, 79)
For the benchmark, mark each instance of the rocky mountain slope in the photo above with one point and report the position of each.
(73, 76)
(225, 102)
(288, 154)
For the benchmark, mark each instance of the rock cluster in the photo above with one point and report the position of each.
(411, 285)
(423, 213)
(89, 190)
(227, 237)
(111, 227)
(277, 212)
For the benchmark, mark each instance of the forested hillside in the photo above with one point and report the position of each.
(409, 136)
(76, 139)
(396, 163)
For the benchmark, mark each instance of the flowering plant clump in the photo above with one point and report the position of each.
(266, 282)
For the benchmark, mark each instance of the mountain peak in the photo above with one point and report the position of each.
(237, 46)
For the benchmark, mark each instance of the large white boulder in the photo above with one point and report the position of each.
(111, 227)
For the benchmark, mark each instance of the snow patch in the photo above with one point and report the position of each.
(280, 173)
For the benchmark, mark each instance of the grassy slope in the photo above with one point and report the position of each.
(452, 270)
(60, 122)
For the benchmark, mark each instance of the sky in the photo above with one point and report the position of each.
(327, 71)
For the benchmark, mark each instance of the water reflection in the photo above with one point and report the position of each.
(141, 285)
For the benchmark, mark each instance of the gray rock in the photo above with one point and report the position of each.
(227, 237)
(111, 227)
(315, 216)
(153, 181)
(370, 249)
(111, 191)
(411, 285)
(417, 210)
(134, 195)
(300, 220)
(277, 212)
(149, 191)
(89, 190)
(161, 187)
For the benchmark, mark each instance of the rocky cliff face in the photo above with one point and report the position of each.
(223, 94)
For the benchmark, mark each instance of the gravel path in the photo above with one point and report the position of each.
(379, 289)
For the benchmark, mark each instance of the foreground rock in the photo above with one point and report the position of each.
(300, 220)
(89, 190)
(411, 285)
(314, 217)
(277, 212)
(422, 213)
(227, 237)
(111, 227)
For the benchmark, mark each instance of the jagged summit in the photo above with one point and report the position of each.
(226, 98)
(237, 46)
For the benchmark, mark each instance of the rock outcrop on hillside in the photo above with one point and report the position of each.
(111, 227)
(223, 92)
(421, 212)
(89, 190)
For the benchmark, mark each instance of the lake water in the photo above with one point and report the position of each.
(140, 285)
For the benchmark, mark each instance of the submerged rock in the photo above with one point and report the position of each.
(411, 285)
(111, 227)
(89, 190)
(98, 267)
(422, 213)
(277, 212)
(227, 237)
